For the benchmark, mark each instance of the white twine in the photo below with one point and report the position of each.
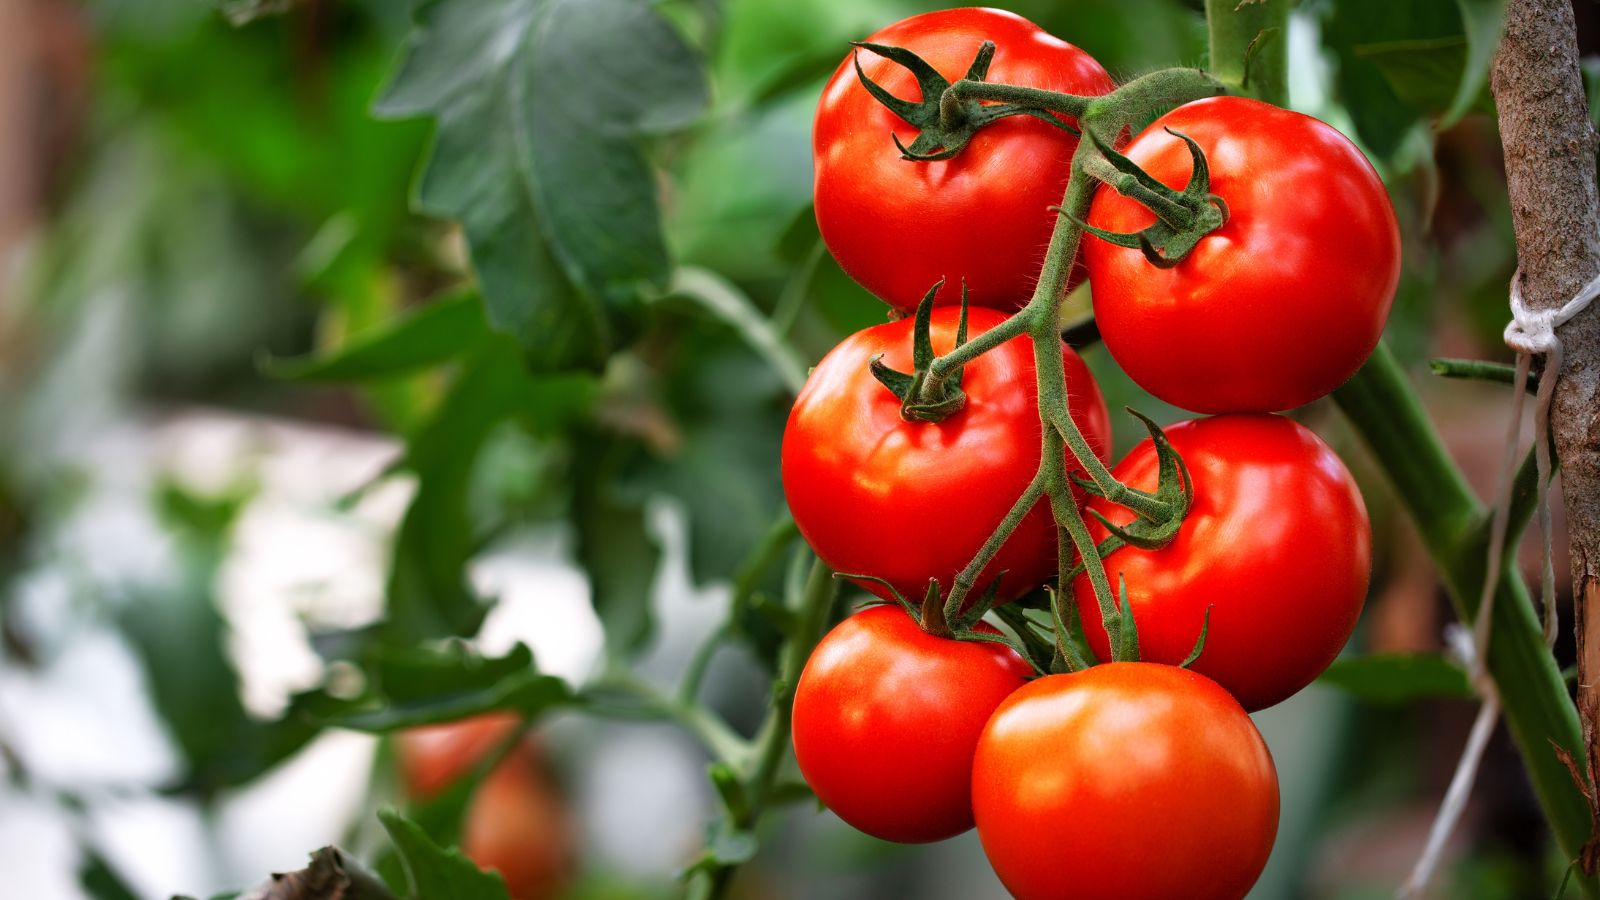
(1530, 333)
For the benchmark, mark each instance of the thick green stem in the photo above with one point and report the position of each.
(1250, 47)
(1380, 404)
(759, 773)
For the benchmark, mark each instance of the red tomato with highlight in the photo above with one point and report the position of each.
(1276, 544)
(983, 217)
(1125, 781)
(905, 501)
(886, 719)
(1281, 304)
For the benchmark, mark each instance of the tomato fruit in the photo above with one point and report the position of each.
(905, 501)
(1125, 781)
(517, 822)
(1281, 304)
(432, 757)
(898, 226)
(886, 717)
(519, 826)
(1276, 544)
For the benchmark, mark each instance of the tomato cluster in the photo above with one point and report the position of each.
(1111, 775)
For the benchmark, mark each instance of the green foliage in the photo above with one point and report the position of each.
(436, 873)
(540, 105)
(426, 685)
(1399, 64)
(1393, 679)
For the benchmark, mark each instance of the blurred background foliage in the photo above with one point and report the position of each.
(332, 328)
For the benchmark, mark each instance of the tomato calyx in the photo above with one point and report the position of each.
(948, 115)
(926, 395)
(1182, 217)
(1159, 515)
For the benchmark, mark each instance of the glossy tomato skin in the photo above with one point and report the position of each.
(898, 226)
(886, 719)
(1281, 304)
(1276, 543)
(908, 501)
(1125, 781)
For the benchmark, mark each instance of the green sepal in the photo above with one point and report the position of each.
(1200, 643)
(911, 610)
(911, 389)
(1072, 645)
(1127, 633)
(944, 125)
(1182, 217)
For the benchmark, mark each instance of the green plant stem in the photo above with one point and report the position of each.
(968, 576)
(722, 742)
(1384, 410)
(1480, 370)
(759, 769)
(1249, 47)
(1020, 95)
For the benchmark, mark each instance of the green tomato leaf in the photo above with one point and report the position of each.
(434, 872)
(615, 548)
(427, 685)
(449, 327)
(1382, 118)
(1425, 72)
(428, 592)
(1393, 679)
(540, 105)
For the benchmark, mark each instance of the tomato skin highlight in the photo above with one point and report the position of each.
(1281, 304)
(1277, 544)
(1125, 781)
(886, 719)
(898, 226)
(908, 501)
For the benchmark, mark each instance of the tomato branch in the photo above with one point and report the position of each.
(757, 772)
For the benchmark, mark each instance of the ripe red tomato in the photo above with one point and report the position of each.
(886, 717)
(1276, 543)
(909, 501)
(1281, 304)
(982, 217)
(517, 823)
(432, 757)
(1125, 781)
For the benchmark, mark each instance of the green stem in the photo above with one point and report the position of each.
(723, 742)
(1480, 370)
(1381, 406)
(1032, 98)
(759, 772)
(968, 577)
(1250, 47)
